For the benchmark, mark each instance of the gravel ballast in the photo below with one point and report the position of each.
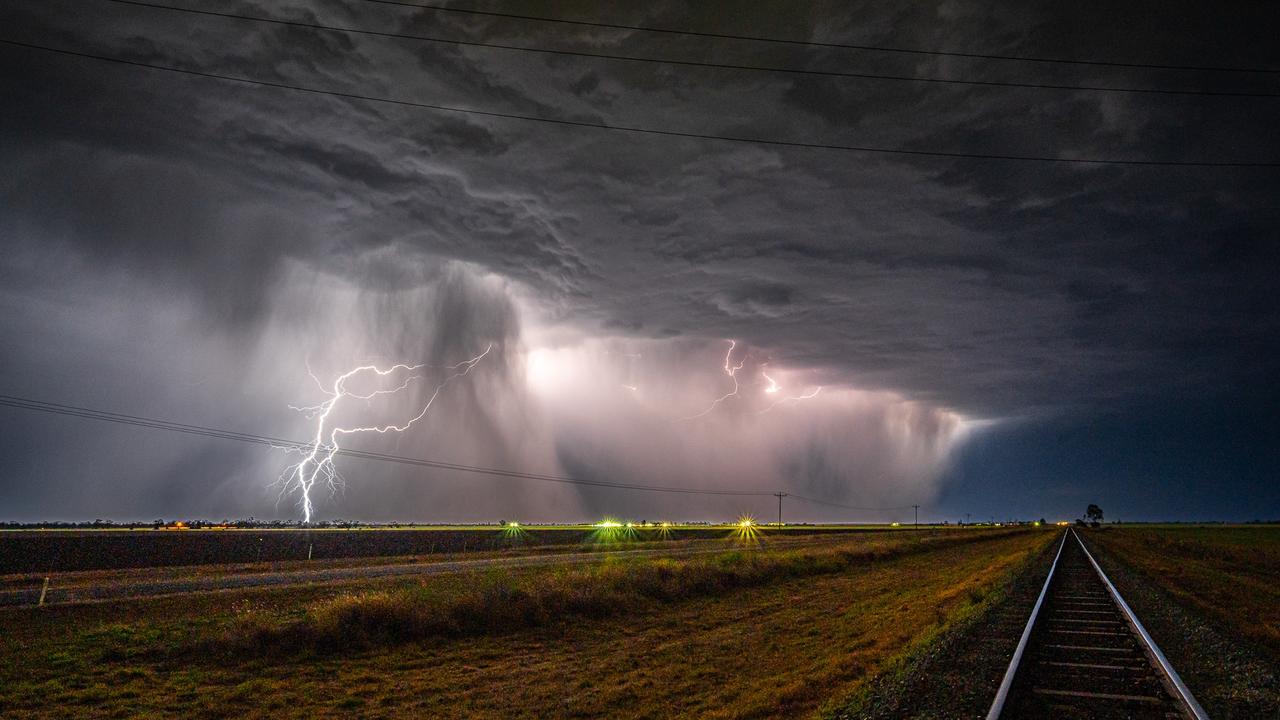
(1230, 678)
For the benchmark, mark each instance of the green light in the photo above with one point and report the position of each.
(513, 533)
(612, 530)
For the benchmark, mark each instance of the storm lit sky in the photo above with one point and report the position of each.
(987, 337)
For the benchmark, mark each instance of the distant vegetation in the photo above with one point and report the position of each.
(251, 523)
(504, 600)
(73, 550)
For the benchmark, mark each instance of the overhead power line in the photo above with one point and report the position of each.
(204, 431)
(200, 430)
(834, 45)
(694, 63)
(644, 130)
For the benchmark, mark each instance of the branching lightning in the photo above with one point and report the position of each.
(795, 398)
(317, 464)
(732, 371)
(771, 388)
(773, 385)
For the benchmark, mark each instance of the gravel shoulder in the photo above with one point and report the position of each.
(1229, 677)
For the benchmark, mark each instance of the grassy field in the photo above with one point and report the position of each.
(80, 549)
(1229, 574)
(746, 633)
(475, 552)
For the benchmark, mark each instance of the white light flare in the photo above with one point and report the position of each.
(317, 462)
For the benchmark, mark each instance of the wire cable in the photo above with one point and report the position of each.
(695, 63)
(199, 430)
(644, 130)
(814, 43)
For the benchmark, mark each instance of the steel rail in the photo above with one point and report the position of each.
(997, 705)
(1183, 691)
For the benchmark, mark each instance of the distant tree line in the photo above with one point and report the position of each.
(243, 523)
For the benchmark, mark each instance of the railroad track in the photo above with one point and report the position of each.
(1083, 654)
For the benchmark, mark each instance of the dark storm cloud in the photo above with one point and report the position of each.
(762, 293)
(996, 289)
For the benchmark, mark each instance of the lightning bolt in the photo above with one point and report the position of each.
(773, 385)
(317, 462)
(732, 371)
(797, 398)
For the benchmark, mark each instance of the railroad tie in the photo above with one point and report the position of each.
(1083, 653)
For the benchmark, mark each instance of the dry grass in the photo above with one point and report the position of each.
(1228, 574)
(502, 600)
(780, 645)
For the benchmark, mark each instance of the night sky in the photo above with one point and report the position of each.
(1003, 338)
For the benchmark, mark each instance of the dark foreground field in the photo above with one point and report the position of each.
(891, 625)
(1208, 595)
(772, 632)
(54, 551)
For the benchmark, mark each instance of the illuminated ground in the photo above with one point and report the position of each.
(608, 543)
(804, 636)
(41, 552)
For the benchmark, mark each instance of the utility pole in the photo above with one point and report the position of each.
(779, 495)
(917, 509)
